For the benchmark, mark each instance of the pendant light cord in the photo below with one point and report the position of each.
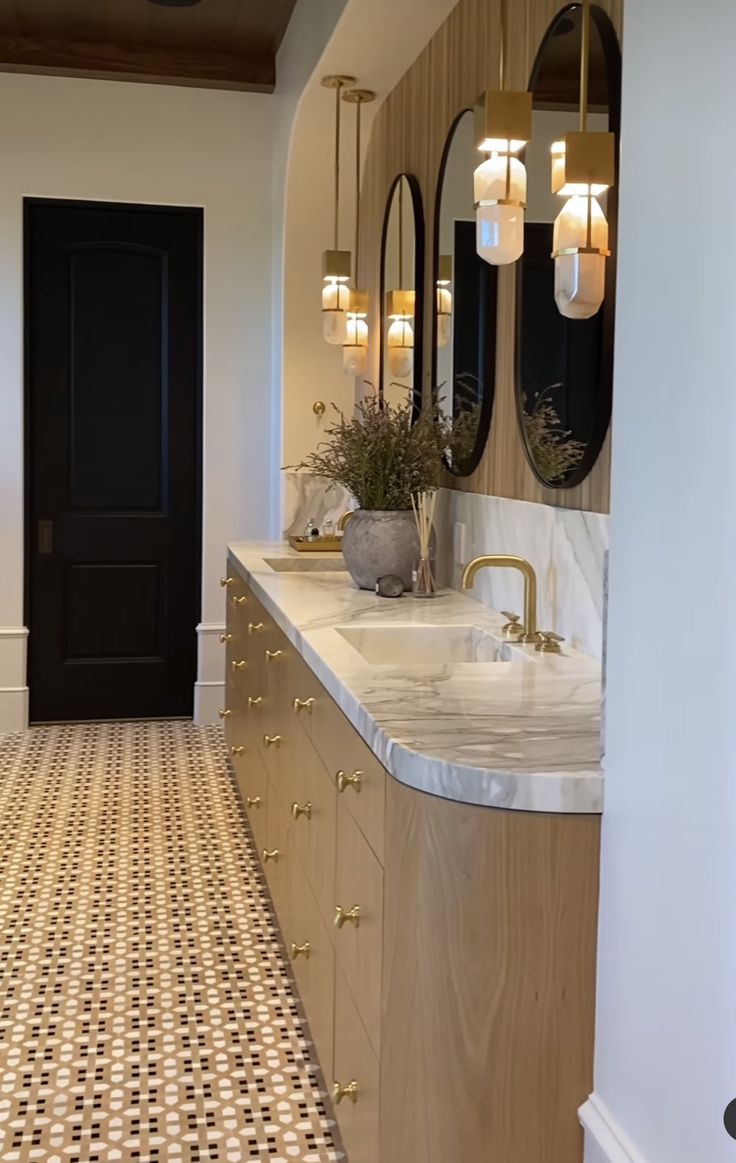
(401, 233)
(338, 90)
(502, 49)
(357, 190)
(584, 66)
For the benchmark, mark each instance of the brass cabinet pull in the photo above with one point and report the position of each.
(226, 581)
(355, 781)
(237, 750)
(298, 810)
(270, 854)
(253, 801)
(226, 638)
(254, 703)
(340, 1092)
(255, 627)
(303, 705)
(300, 950)
(239, 665)
(342, 916)
(272, 740)
(239, 601)
(273, 655)
(224, 714)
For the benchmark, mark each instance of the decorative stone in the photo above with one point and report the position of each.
(377, 543)
(389, 587)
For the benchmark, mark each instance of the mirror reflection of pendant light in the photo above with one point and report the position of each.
(503, 127)
(400, 306)
(355, 346)
(336, 262)
(583, 168)
(444, 300)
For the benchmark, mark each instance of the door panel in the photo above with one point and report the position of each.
(113, 346)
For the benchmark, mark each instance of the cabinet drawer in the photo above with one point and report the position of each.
(313, 967)
(253, 785)
(356, 1063)
(276, 856)
(359, 946)
(315, 833)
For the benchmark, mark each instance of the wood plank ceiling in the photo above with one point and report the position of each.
(220, 44)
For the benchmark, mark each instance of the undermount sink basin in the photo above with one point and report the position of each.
(414, 645)
(323, 564)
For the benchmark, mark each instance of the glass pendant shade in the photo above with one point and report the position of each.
(355, 347)
(444, 315)
(580, 251)
(500, 197)
(335, 302)
(400, 348)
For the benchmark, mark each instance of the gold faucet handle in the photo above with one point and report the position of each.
(513, 627)
(549, 642)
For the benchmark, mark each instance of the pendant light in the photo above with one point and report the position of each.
(444, 300)
(503, 127)
(583, 168)
(355, 346)
(400, 306)
(336, 262)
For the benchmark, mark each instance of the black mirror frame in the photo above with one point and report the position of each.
(419, 244)
(612, 54)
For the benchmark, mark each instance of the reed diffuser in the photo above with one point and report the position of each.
(424, 584)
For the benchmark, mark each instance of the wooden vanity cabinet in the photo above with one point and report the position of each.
(444, 954)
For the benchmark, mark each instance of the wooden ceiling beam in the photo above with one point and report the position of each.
(150, 63)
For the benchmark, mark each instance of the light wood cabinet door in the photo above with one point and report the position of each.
(253, 786)
(356, 1063)
(276, 856)
(359, 938)
(313, 964)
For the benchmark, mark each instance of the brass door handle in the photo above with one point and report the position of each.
(254, 703)
(272, 740)
(253, 801)
(255, 627)
(226, 581)
(239, 665)
(270, 854)
(342, 916)
(339, 1092)
(226, 638)
(224, 714)
(303, 705)
(239, 601)
(298, 810)
(273, 655)
(300, 950)
(237, 750)
(355, 781)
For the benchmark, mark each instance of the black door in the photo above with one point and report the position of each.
(113, 390)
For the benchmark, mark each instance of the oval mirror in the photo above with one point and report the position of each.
(565, 366)
(465, 290)
(402, 299)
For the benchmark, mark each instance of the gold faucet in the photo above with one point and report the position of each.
(344, 520)
(506, 561)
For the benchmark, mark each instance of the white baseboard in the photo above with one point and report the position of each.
(209, 697)
(13, 689)
(209, 689)
(605, 1142)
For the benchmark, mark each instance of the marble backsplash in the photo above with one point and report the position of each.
(305, 496)
(567, 548)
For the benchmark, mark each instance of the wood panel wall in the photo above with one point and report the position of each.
(408, 136)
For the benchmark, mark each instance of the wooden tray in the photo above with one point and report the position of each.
(316, 544)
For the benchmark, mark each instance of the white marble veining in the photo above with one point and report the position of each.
(567, 548)
(305, 496)
(521, 733)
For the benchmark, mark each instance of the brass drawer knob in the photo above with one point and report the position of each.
(355, 781)
(298, 810)
(226, 581)
(239, 665)
(343, 916)
(239, 601)
(270, 854)
(237, 750)
(339, 1092)
(272, 740)
(274, 655)
(303, 705)
(226, 638)
(300, 950)
(224, 714)
(254, 703)
(255, 627)
(253, 801)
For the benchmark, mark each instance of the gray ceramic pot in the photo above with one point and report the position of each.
(377, 543)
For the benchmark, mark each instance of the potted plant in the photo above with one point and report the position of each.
(382, 459)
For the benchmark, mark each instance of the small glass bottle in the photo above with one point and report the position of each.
(424, 578)
(310, 530)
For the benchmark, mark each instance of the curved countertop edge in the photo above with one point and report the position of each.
(544, 791)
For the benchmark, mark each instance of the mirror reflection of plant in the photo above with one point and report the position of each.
(553, 452)
(461, 430)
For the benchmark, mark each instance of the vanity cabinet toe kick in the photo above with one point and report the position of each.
(444, 953)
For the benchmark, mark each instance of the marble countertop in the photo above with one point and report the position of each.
(521, 734)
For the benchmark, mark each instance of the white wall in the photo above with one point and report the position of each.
(65, 138)
(666, 1024)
